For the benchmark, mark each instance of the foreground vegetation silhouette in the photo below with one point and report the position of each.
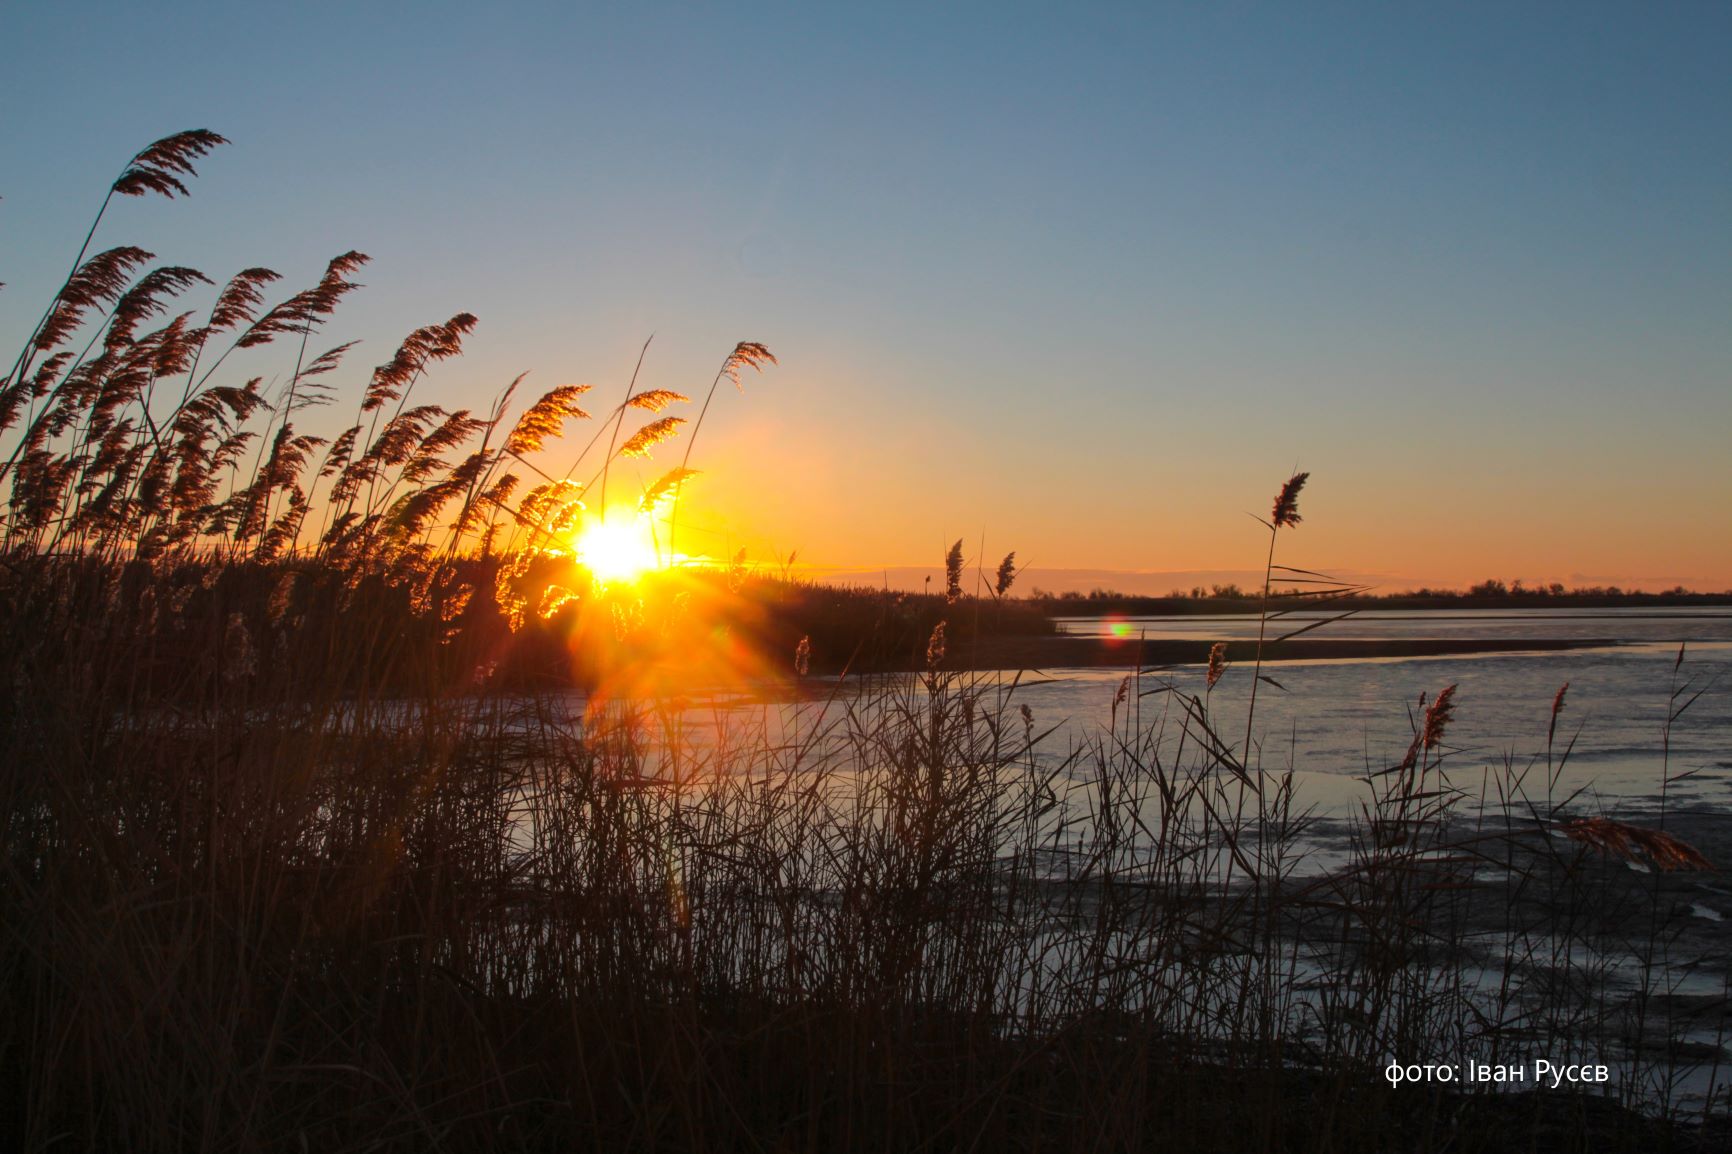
(306, 847)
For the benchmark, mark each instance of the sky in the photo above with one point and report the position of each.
(1085, 281)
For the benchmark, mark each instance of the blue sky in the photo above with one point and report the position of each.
(1086, 280)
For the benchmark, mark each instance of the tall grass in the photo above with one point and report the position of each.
(288, 865)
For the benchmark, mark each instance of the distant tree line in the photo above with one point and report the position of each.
(1492, 593)
(1490, 587)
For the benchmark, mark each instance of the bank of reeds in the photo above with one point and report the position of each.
(264, 904)
(288, 865)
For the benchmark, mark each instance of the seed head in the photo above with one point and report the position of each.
(1287, 501)
(953, 573)
(1217, 662)
(935, 647)
(1438, 716)
(1632, 843)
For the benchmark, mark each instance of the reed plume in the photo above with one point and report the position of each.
(1635, 843)
(1557, 708)
(746, 355)
(1286, 511)
(147, 297)
(308, 308)
(545, 419)
(159, 168)
(1217, 662)
(664, 489)
(953, 573)
(542, 502)
(421, 348)
(1006, 575)
(935, 647)
(1438, 717)
(655, 400)
(556, 597)
(641, 442)
(239, 300)
(96, 283)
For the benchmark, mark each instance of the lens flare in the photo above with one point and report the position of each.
(618, 550)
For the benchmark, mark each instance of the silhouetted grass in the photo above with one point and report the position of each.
(309, 844)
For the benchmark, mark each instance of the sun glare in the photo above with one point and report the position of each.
(618, 550)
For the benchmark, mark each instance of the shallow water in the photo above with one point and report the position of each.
(1646, 719)
(1672, 624)
(1348, 717)
(1643, 726)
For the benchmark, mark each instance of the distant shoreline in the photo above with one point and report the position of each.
(1062, 651)
(1113, 606)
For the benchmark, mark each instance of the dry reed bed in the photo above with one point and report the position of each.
(258, 909)
(284, 870)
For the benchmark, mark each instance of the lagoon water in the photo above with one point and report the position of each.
(1646, 719)
(1341, 718)
(1646, 723)
(1669, 624)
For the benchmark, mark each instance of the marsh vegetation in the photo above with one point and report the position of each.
(309, 843)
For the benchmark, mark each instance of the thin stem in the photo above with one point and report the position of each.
(674, 510)
(1257, 668)
(619, 420)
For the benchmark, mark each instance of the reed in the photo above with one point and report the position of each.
(306, 848)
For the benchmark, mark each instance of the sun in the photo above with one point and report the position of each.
(618, 550)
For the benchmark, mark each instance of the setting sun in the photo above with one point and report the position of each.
(618, 550)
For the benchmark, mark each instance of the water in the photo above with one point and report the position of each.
(1644, 735)
(1343, 718)
(1646, 719)
(1670, 624)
